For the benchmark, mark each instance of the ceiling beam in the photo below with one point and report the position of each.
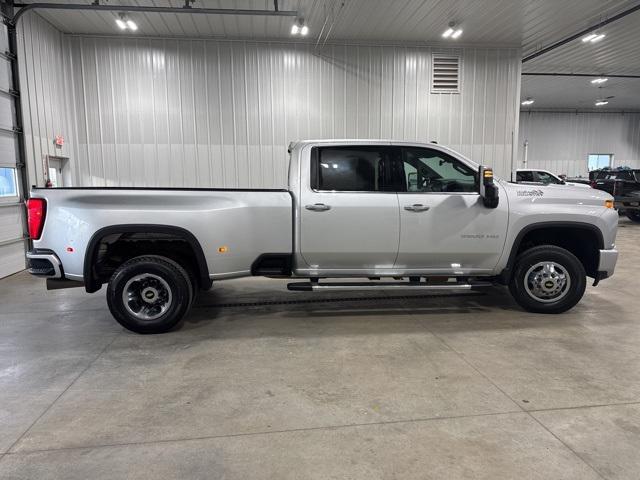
(581, 33)
(536, 74)
(25, 7)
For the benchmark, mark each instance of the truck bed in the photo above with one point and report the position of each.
(232, 226)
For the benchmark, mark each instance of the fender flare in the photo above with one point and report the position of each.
(92, 285)
(505, 275)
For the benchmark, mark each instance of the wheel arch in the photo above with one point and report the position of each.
(92, 283)
(553, 228)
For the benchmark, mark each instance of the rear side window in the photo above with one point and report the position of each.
(349, 169)
(524, 176)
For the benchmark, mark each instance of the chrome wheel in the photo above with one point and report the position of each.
(147, 296)
(547, 282)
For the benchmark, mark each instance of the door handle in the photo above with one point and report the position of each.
(318, 207)
(416, 207)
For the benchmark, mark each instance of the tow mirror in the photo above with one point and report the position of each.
(488, 190)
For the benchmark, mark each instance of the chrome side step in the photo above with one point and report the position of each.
(316, 286)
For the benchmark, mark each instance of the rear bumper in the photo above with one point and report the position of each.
(607, 264)
(44, 263)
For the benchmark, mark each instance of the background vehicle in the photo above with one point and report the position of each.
(624, 185)
(353, 209)
(543, 177)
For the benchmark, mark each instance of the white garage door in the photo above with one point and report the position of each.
(11, 207)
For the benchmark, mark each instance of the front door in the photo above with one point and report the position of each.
(445, 227)
(349, 212)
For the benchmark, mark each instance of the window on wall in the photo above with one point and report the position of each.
(596, 161)
(8, 183)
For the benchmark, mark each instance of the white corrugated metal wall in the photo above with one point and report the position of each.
(45, 94)
(560, 141)
(170, 112)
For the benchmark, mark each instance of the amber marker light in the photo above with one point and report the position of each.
(608, 203)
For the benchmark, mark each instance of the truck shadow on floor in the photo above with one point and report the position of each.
(348, 314)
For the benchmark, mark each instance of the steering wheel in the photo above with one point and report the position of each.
(430, 184)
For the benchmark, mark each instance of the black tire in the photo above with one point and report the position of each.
(163, 281)
(633, 215)
(527, 270)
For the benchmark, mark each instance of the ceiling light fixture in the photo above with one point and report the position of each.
(452, 32)
(593, 37)
(527, 101)
(599, 80)
(299, 27)
(125, 23)
(600, 103)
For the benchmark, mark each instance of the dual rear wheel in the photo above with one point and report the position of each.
(150, 294)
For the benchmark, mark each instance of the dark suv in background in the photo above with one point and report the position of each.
(624, 185)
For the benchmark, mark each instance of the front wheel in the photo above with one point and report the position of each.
(548, 279)
(149, 294)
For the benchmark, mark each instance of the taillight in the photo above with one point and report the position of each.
(593, 184)
(36, 210)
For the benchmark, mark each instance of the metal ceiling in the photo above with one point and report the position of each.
(526, 23)
(577, 93)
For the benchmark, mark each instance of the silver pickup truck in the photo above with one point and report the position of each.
(397, 215)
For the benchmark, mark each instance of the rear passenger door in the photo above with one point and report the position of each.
(349, 219)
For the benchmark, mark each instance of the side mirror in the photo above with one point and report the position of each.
(488, 190)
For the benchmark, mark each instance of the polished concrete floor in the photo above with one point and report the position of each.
(262, 383)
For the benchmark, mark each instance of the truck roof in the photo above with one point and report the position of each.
(368, 141)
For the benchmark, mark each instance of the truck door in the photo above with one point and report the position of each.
(445, 228)
(349, 216)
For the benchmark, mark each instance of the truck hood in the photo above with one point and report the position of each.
(554, 194)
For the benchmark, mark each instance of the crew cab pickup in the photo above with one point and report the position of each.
(397, 215)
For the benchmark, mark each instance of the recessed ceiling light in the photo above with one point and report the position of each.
(132, 25)
(294, 29)
(304, 30)
(528, 101)
(599, 80)
(600, 103)
(457, 33)
(593, 37)
(121, 24)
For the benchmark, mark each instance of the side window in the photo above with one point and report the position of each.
(8, 183)
(349, 169)
(546, 178)
(427, 170)
(524, 177)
